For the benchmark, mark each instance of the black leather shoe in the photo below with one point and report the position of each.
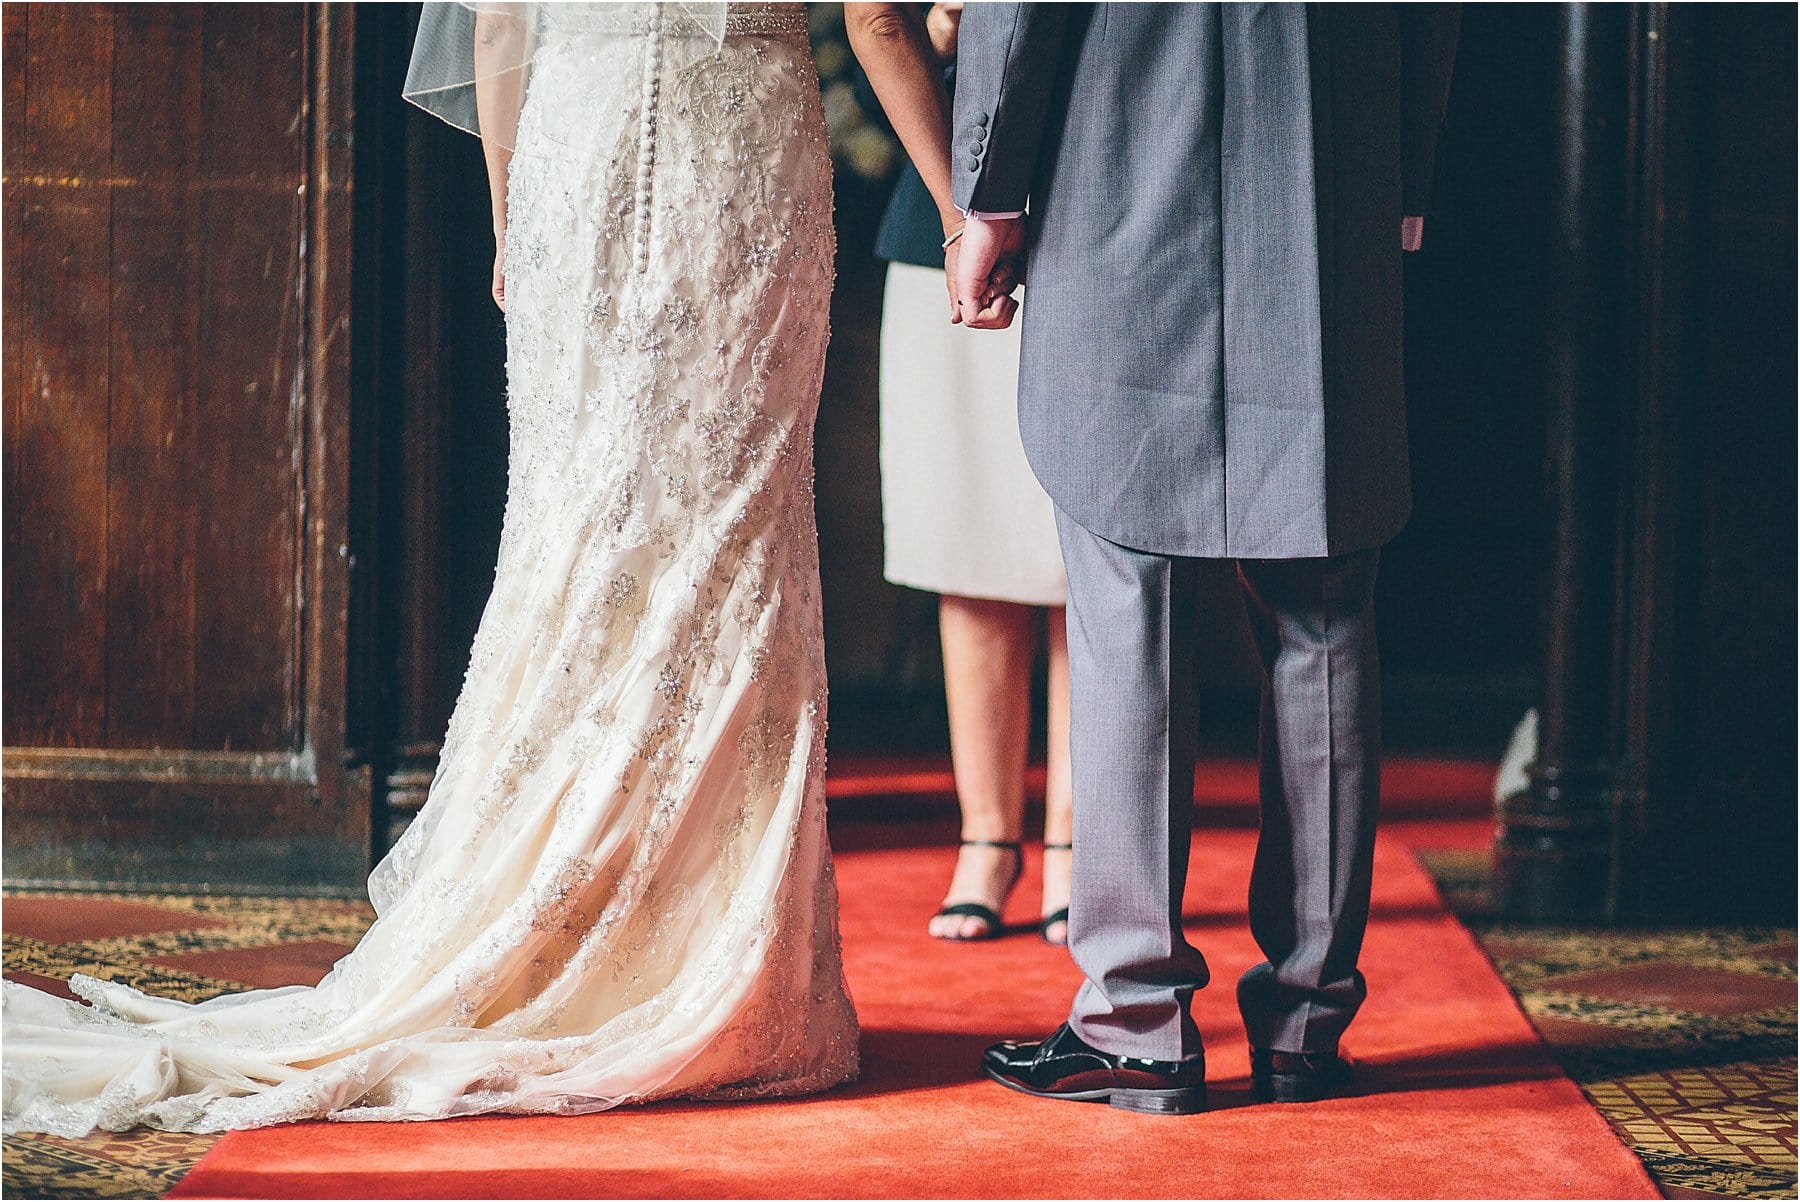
(1297, 1076)
(1063, 1066)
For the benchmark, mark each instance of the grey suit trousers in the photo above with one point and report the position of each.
(1131, 624)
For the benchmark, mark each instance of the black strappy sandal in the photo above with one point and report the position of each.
(987, 914)
(1056, 916)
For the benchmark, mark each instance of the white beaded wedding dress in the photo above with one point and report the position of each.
(620, 888)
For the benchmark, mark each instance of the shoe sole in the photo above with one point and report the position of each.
(1187, 1100)
(1281, 1088)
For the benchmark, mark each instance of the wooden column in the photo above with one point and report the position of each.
(1664, 785)
(1553, 855)
(1706, 698)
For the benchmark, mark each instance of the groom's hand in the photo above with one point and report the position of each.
(986, 272)
(1001, 283)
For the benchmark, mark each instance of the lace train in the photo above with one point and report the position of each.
(620, 887)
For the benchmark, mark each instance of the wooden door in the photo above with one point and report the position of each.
(177, 329)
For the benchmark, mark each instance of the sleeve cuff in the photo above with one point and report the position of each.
(976, 215)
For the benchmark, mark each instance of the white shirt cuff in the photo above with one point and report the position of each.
(975, 215)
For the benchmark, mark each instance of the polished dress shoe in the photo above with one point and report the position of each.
(1064, 1066)
(1296, 1076)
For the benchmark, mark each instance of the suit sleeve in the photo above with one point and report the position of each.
(1428, 36)
(1007, 57)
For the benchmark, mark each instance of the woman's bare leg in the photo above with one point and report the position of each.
(988, 648)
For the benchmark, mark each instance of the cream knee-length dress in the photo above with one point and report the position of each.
(961, 511)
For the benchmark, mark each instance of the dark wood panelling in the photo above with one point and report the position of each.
(329, 325)
(58, 397)
(152, 451)
(252, 399)
(14, 137)
(156, 202)
(178, 406)
(205, 831)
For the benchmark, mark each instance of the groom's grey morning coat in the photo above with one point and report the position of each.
(1212, 344)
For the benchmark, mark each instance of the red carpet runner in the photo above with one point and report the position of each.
(1459, 1098)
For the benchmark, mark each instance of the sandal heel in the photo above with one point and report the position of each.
(987, 914)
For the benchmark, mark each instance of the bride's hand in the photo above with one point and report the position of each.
(941, 25)
(950, 253)
(499, 285)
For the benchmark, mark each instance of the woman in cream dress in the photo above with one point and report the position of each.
(963, 515)
(620, 887)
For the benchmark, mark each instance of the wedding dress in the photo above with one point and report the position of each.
(620, 887)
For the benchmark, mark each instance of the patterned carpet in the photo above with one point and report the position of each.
(182, 946)
(1684, 1039)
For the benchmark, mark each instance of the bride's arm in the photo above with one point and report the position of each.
(896, 53)
(499, 92)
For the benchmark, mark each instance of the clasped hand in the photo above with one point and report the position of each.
(982, 269)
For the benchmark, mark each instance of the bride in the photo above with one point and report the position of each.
(620, 888)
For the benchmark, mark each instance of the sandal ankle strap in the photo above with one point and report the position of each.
(1002, 844)
(1059, 847)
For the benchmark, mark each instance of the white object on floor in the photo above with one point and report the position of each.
(1521, 752)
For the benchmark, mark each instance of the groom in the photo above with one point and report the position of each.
(1218, 199)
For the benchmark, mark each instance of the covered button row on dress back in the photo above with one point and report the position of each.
(646, 160)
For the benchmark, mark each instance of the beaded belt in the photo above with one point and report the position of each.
(783, 22)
